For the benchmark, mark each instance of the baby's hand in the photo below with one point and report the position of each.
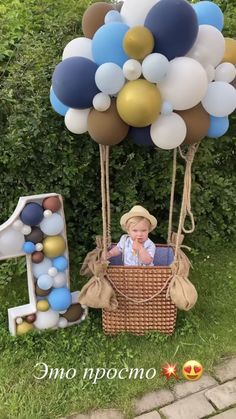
(137, 245)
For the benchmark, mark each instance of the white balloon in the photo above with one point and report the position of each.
(185, 84)
(42, 267)
(76, 120)
(134, 12)
(46, 319)
(47, 213)
(220, 99)
(26, 230)
(109, 78)
(225, 72)
(59, 280)
(155, 67)
(11, 242)
(78, 47)
(101, 102)
(39, 247)
(63, 322)
(53, 225)
(210, 71)
(168, 131)
(132, 69)
(209, 46)
(52, 271)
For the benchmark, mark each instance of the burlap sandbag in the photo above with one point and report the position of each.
(181, 291)
(91, 258)
(98, 293)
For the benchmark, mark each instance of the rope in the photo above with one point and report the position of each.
(139, 301)
(186, 197)
(108, 196)
(172, 196)
(102, 151)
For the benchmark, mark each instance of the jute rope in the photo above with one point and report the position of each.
(186, 196)
(172, 194)
(103, 194)
(107, 149)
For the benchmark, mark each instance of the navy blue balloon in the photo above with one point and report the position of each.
(174, 26)
(32, 214)
(73, 82)
(141, 136)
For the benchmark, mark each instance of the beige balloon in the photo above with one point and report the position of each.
(107, 127)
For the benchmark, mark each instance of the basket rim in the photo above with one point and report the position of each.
(146, 267)
(138, 267)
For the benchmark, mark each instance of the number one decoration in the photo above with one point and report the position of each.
(37, 231)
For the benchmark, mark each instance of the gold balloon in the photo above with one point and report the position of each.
(138, 42)
(53, 246)
(139, 103)
(230, 51)
(23, 328)
(42, 305)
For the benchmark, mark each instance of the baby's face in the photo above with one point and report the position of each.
(139, 231)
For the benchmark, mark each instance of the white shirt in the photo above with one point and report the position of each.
(125, 245)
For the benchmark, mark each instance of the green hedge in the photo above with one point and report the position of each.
(38, 154)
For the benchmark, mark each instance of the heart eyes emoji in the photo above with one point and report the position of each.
(192, 370)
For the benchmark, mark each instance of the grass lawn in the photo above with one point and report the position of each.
(207, 333)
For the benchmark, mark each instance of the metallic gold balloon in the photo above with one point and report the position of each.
(138, 42)
(23, 328)
(53, 246)
(139, 103)
(42, 305)
(230, 51)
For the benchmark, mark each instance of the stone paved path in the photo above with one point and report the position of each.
(209, 397)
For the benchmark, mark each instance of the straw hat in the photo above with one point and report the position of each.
(138, 211)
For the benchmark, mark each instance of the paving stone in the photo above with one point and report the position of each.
(226, 370)
(189, 387)
(153, 400)
(195, 406)
(229, 414)
(151, 415)
(223, 396)
(77, 416)
(106, 414)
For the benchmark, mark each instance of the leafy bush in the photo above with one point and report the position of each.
(38, 154)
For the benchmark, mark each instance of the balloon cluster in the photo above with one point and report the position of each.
(159, 70)
(38, 233)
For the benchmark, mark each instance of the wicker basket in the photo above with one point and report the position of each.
(140, 284)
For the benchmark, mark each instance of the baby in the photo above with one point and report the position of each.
(137, 249)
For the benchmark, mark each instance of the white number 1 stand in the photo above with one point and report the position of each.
(37, 230)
